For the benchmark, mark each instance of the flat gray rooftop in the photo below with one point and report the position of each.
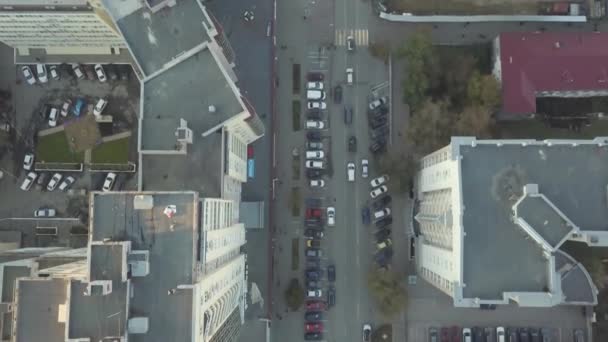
(186, 91)
(576, 286)
(200, 170)
(543, 219)
(10, 275)
(172, 247)
(38, 302)
(498, 254)
(156, 39)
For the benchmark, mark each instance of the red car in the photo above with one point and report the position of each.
(445, 334)
(249, 151)
(315, 306)
(455, 333)
(313, 212)
(313, 327)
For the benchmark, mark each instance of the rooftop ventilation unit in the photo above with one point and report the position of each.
(212, 109)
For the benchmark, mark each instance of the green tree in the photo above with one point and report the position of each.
(400, 167)
(483, 90)
(294, 295)
(430, 127)
(386, 289)
(457, 69)
(422, 67)
(475, 121)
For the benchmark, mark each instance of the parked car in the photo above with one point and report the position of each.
(352, 144)
(466, 335)
(382, 234)
(350, 171)
(350, 76)
(314, 293)
(28, 161)
(384, 244)
(313, 262)
(101, 75)
(314, 114)
(313, 316)
(313, 234)
(313, 212)
(316, 105)
(313, 243)
(579, 335)
(28, 75)
(365, 215)
(65, 108)
(331, 296)
(77, 109)
(444, 334)
(54, 182)
(348, 115)
(378, 102)
(100, 106)
(314, 124)
(378, 122)
(379, 132)
(545, 334)
(500, 334)
(44, 212)
(53, 117)
(534, 335)
(314, 173)
(315, 305)
(455, 334)
(123, 71)
(67, 183)
(382, 257)
(313, 274)
(433, 335)
(378, 191)
(28, 181)
(89, 71)
(315, 95)
(41, 73)
(524, 335)
(41, 180)
(108, 183)
(314, 85)
(364, 168)
(315, 76)
(313, 252)
(54, 72)
(367, 332)
(338, 94)
(313, 135)
(77, 71)
(376, 182)
(382, 202)
(331, 273)
(313, 164)
(313, 336)
(315, 154)
(331, 216)
(314, 145)
(313, 327)
(490, 334)
(376, 147)
(385, 222)
(111, 72)
(317, 183)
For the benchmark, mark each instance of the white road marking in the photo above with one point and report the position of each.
(361, 37)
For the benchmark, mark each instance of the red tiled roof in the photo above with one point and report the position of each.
(550, 61)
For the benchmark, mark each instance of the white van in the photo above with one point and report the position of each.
(315, 154)
(312, 94)
(466, 334)
(350, 76)
(350, 172)
(500, 334)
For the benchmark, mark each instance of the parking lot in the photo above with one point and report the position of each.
(40, 127)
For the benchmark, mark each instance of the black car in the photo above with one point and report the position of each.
(338, 94)
(313, 336)
(111, 72)
(331, 273)
(512, 335)
(365, 215)
(478, 335)
(313, 202)
(378, 111)
(534, 335)
(376, 147)
(382, 202)
(524, 335)
(385, 222)
(313, 224)
(314, 173)
(313, 252)
(313, 285)
(312, 233)
(124, 71)
(348, 115)
(331, 296)
(313, 316)
(378, 122)
(315, 76)
(314, 115)
(313, 263)
(382, 234)
(41, 180)
(313, 135)
(490, 334)
(379, 132)
(382, 257)
(44, 111)
(352, 144)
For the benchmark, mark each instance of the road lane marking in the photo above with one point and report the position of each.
(361, 37)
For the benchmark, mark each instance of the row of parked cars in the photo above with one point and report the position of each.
(377, 113)
(379, 213)
(99, 72)
(316, 218)
(315, 154)
(498, 334)
(52, 114)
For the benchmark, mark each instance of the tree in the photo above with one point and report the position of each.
(483, 90)
(475, 121)
(380, 50)
(422, 67)
(387, 291)
(294, 295)
(430, 127)
(456, 71)
(400, 167)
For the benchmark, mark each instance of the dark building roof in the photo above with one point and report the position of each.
(532, 62)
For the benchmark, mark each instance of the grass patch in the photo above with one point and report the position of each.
(82, 133)
(54, 148)
(113, 152)
(295, 167)
(464, 7)
(296, 110)
(294, 201)
(295, 254)
(537, 129)
(296, 78)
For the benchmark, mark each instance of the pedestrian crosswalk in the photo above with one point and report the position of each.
(361, 37)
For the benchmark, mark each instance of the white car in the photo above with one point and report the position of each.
(28, 181)
(378, 102)
(77, 71)
(41, 73)
(350, 76)
(382, 213)
(331, 216)
(466, 335)
(54, 182)
(317, 183)
(100, 106)
(500, 334)
(317, 105)
(67, 182)
(314, 293)
(379, 181)
(28, 75)
(378, 191)
(364, 168)
(44, 212)
(314, 85)
(315, 154)
(101, 75)
(28, 161)
(315, 124)
(54, 72)
(65, 108)
(313, 164)
(367, 332)
(350, 171)
(53, 116)
(108, 183)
